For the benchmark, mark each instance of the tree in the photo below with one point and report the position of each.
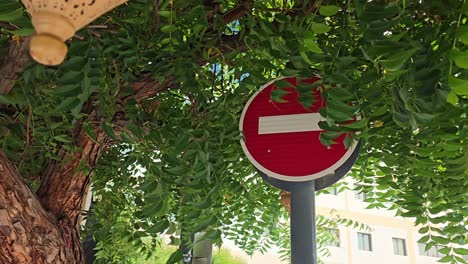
(148, 102)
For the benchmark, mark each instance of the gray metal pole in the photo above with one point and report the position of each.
(303, 241)
(202, 249)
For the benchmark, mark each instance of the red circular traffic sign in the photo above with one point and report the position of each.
(282, 139)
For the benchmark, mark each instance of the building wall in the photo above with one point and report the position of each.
(384, 226)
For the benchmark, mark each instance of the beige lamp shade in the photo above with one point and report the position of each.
(55, 21)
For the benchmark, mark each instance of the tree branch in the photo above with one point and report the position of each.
(146, 87)
(237, 12)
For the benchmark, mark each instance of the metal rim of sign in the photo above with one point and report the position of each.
(291, 178)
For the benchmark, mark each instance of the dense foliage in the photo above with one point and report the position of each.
(175, 165)
(220, 256)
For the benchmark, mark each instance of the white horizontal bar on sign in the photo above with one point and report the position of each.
(288, 123)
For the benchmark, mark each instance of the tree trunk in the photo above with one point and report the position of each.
(46, 228)
(28, 233)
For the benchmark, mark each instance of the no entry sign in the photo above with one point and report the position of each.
(282, 139)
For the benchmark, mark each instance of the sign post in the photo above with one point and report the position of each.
(303, 233)
(282, 140)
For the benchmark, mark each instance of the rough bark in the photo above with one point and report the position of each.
(28, 234)
(46, 228)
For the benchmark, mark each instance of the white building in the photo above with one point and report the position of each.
(391, 239)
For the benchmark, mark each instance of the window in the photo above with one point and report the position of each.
(432, 252)
(364, 241)
(399, 246)
(334, 238)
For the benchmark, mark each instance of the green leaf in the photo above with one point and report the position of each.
(24, 32)
(74, 63)
(166, 14)
(68, 104)
(62, 138)
(396, 61)
(175, 257)
(277, 95)
(159, 227)
(459, 86)
(446, 259)
(108, 130)
(310, 45)
(202, 204)
(423, 117)
(283, 84)
(341, 106)
(340, 93)
(329, 10)
(327, 138)
(460, 58)
(440, 240)
(168, 28)
(11, 16)
(445, 250)
(212, 234)
(424, 230)
(306, 58)
(424, 239)
(177, 170)
(299, 62)
(461, 251)
(8, 6)
(202, 156)
(338, 115)
(70, 77)
(360, 124)
(348, 141)
(65, 90)
(462, 34)
(320, 28)
(452, 98)
(210, 221)
(290, 72)
(465, 8)
(154, 208)
(307, 99)
(8, 99)
(89, 132)
(182, 141)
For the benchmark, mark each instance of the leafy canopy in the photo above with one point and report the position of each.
(175, 165)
